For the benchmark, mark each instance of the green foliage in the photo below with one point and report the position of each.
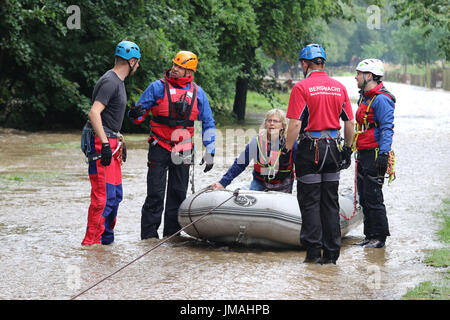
(49, 70)
(413, 47)
(429, 290)
(426, 13)
(257, 103)
(401, 37)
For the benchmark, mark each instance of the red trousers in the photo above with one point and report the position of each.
(106, 195)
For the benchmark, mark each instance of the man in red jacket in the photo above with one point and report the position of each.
(316, 106)
(375, 130)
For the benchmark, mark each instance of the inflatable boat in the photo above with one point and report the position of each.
(253, 218)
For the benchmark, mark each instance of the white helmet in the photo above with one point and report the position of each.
(374, 66)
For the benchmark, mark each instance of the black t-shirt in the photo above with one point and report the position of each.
(110, 91)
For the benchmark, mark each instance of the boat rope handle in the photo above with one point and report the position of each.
(235, 194)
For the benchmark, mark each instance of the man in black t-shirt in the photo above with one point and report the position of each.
(109, 101)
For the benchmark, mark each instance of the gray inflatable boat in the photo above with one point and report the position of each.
(253, 218)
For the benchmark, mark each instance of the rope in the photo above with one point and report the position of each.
(235, 194)
(390, 169)
(190, 205)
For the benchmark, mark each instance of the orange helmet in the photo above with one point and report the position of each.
(186, 59)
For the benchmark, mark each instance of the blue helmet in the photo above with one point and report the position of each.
(312, 51)
(128, 50)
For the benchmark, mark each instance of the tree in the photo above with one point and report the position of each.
(48, 70)
(283, 28)
(426, 13)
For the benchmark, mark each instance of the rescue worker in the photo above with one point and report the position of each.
(174, 101)
(264, 149)
(373, 140)
(316, 105)
(100, 137)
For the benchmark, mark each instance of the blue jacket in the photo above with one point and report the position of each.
(381, 113)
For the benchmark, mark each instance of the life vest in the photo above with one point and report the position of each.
(365, 124)
(267, 167)
(172, 125)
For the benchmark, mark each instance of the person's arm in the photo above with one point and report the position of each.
(208, 124)
(349, 126)
(348, 118)
(293, 130)
(239, 165)
(296, 107)
(384, 113)
(148, 99)
(96, 120)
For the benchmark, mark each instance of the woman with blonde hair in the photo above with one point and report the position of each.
(269, 173)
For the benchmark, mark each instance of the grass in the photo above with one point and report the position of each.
(428, 290)
(31, 176)
(440, 258)
(258, 103)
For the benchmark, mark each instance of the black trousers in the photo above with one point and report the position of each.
(164, 179)
(371, 198)
(317, 194)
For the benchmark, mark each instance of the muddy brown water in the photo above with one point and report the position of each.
(44, 197)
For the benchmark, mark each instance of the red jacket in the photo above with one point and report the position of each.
(163, 129)
(375, 115)
(319, 102)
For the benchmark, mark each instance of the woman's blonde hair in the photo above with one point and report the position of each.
(280, 114)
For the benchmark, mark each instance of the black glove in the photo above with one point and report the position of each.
(285, 158)
(135, 111)
(381, 164)
(209, 159)
(346, 157)
(106, 154)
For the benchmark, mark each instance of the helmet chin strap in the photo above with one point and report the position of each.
(305, 72)
(131, 66)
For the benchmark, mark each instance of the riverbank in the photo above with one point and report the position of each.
(439, 258)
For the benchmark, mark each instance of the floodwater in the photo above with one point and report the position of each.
(44, 198)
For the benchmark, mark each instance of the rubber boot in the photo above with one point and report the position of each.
(313, 256)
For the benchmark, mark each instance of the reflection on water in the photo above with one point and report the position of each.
(44, 197)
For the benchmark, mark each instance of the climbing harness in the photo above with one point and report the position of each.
(324, 135)
(362, 128)
(85, 146)
(271, 164)
(235, 194)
